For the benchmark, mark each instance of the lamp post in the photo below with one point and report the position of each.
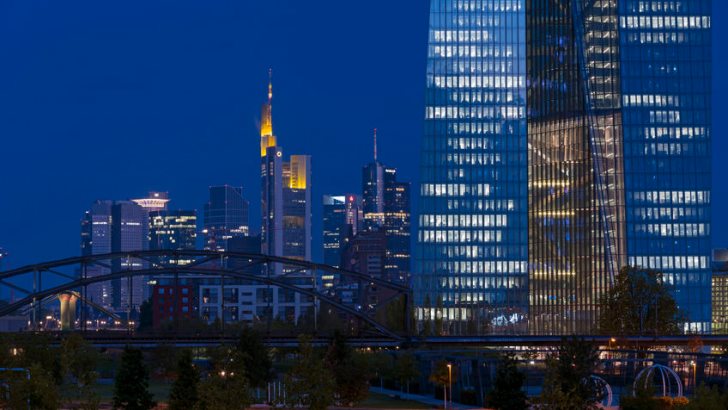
(449, 382)
(695, 373)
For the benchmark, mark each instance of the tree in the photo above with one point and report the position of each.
(310, 382)
(256, 357)
(350, 369)
(131, 388)
(227, 385)
(164, 361)
(184, 389)
(406, 369)
(568, 383)
(708, 398)
(382, 366)
(39, 392)
(427, 322)
(638, 304)
(442, 375)
(78, 362)
(146, 316)
(507, 393)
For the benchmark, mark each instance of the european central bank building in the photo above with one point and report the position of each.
(563, 140)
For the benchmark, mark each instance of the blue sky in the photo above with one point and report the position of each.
(108, 100)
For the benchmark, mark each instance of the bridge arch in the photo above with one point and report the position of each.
(200, 258)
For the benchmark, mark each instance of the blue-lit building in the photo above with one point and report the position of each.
(473, 227)
(226, 216)
(562, 141)
(665, 76)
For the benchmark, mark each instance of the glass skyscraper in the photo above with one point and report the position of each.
(473, 249)
(563, 140)
(226, 216)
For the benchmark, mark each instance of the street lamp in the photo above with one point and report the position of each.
(449, 382)
(695, 372)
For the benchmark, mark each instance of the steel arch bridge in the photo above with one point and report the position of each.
(71, 276)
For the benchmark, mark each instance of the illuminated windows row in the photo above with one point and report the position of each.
(482, 96)
(665, 22)
(483, 267)
(481, 205)
(670, 213)
(489, 5)
(460, 236)
(484, 283)
(500, 112)
(674, 230)
(461, 81)
(464, 221)
(672, 197)
(473, 159)
(461, 35)
(477, 51)
(656, 38)
(455, 189)
(674, 132)
(670, 262)
(651, 100)
(669, 117)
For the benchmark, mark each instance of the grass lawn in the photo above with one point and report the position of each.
(159, 389)
(382, 401)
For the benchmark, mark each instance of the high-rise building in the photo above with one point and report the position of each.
(719, 297)
(129, 232)
(96, 240)
(342, 218)
(115, 226)
(285, 195)
(286, 216)
(173, 230)
(334, 228)
(562, 141)
(226, 216)
(386, 206)
(365, 253)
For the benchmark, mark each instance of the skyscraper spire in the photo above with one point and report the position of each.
(375, 145)
(270, 85)
(267, 139)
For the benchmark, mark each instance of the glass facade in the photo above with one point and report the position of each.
(563, 140)
(576, 207)
(472, 265)
(226, 216)
(665, 50)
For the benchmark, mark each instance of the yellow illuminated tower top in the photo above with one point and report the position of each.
(267, 139)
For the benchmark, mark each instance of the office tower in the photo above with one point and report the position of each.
(334, 228)
(226, 216)
(173, 230)
(548, 164)
(719, 292)
(96, 229)
(666, 91)
(244, 244)
(129, 232)
(365, 253)
(386, 206)
(285, 196)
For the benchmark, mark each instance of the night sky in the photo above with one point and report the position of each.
(109, 100)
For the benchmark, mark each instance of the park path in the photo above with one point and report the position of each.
(429, 400)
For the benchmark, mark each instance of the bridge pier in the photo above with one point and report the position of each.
(68, 310)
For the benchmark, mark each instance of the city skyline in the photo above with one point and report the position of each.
(20, 255)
